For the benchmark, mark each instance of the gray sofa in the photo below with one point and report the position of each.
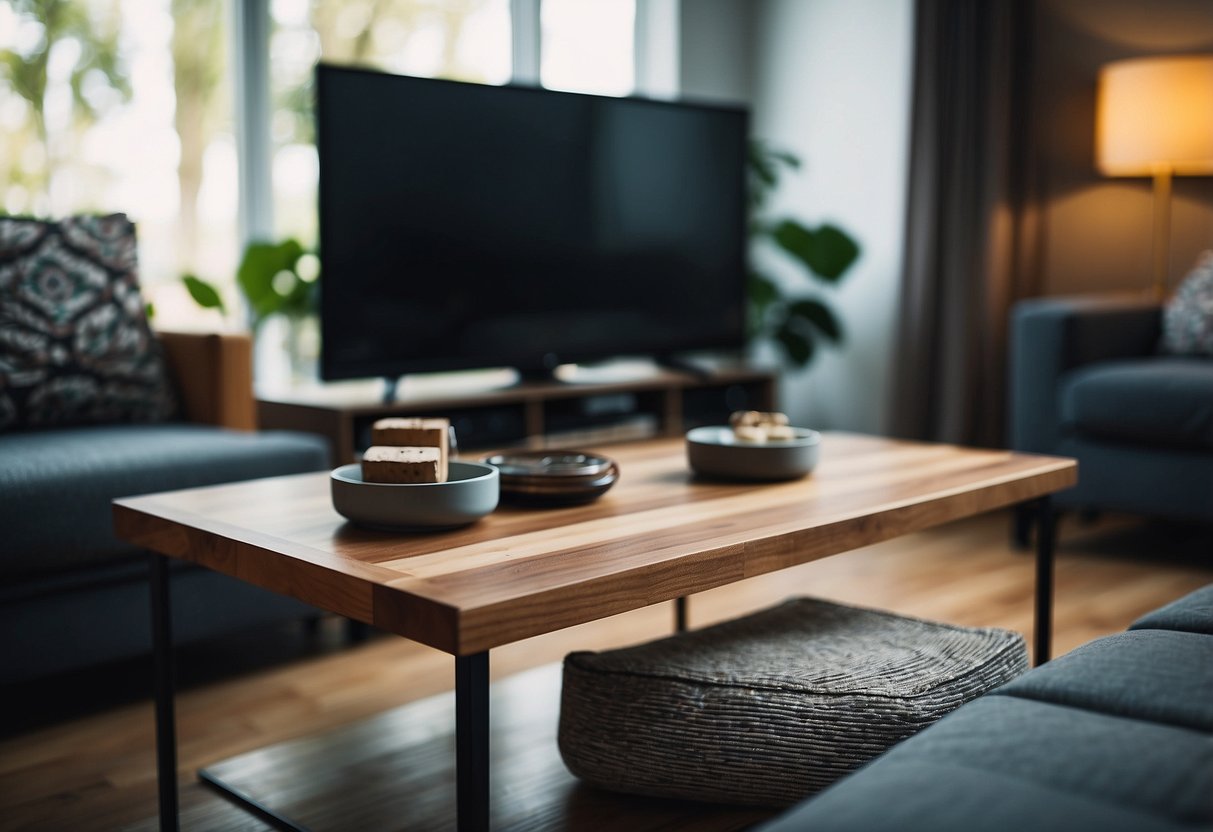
(71, 594)
(1088, 381)
(1116, 735)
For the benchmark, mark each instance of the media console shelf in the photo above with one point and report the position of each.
(530, 414)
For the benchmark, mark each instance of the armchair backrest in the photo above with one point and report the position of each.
(1050, 337)
(214, 377)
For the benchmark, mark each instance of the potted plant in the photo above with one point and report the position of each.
(276, 279)
(796, 320)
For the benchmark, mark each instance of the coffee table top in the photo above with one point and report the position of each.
(660, 533)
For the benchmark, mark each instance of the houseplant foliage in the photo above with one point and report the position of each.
(275, 279)
(794, 319)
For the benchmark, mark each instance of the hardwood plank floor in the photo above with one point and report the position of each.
(78, 752)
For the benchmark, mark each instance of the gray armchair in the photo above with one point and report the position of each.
(1087, 381)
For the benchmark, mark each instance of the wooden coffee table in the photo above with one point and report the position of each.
(660, 534)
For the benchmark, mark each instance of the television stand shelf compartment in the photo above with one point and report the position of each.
(532, 414)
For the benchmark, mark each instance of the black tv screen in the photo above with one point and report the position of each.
(465, 225)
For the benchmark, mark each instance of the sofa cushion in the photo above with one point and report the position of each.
(1143, 479)
(1160, 401)
(1192, 613)
(1157, 675)
(56, 485)
(75, 345)
(1187, 327)
(1003, 762)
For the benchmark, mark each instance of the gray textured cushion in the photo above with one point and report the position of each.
(1188, 318)
(1163, 401)
(1156, 675)
(773, 706)
(1192, 614)
(1007, 763)
(56, 485)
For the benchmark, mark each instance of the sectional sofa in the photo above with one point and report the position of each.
(71, 594)
(1116, 735)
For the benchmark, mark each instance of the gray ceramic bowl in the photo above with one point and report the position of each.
(470, 492)
(714, 452)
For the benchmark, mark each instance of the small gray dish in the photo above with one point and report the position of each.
(470, 492)
(713, 451)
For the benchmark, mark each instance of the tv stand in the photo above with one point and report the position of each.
(390, 385)
(529, 413)
(682, 365)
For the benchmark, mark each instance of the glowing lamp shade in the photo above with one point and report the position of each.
(1156, 113)
(1154, 117)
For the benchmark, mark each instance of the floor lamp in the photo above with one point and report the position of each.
(1154, 117)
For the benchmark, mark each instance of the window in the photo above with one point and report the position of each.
(128, 105)
(466, 40)
(587, 46)
(125, 105)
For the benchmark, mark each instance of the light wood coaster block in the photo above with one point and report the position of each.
(415, 432)
(393, 464)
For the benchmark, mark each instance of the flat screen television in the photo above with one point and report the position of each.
(469, 226)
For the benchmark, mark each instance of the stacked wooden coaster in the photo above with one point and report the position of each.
(407, 451)
(554, 477)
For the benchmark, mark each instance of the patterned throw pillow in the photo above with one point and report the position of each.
(1187, 322)
(75, 345)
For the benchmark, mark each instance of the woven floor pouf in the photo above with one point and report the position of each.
(769, 708)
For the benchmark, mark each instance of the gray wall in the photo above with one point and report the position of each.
(828, 80)
(716, 39)
(832, 84)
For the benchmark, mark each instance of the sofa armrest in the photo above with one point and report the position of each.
(1050, 337)
(214, 375)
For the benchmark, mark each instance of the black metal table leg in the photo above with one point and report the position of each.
(1023, 517)
(472, 741)
(166, 727)
(680, 615)
(1046, 532)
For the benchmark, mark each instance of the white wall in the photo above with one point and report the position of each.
(830, 82)
(715, 50)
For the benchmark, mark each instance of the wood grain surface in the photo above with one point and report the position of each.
(660, 533)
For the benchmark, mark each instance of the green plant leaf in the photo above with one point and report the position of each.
(203, 293)
(827, 252)
(837, 251)
(761, 289)
(761, 292)
(799, 325)
(819, 315)
(797, 345)
(762, 166)
(261, 262)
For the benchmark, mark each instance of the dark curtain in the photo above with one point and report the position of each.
(971, 225)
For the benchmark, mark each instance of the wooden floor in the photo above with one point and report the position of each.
(78, 752)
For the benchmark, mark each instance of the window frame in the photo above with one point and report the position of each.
(656, 70)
